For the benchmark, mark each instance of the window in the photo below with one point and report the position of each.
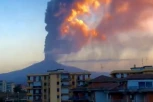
(57, 83)
(44, 90)
(28, 78)
(49, 91)
(57, 96)
(73, 83)
(44, 77)
(34, 78)
(57, 89)
(45, 84)
(39, 78)
(141, 84)
(148, 84)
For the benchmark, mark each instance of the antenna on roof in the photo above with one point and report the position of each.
(134, 66)
(142, 61)
(146, 61)
(102, 67)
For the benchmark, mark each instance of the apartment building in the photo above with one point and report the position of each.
(134, 70)
(96, 91)
(2, 86)
(6, 86)
(54, 86)
(10, 87)
(134, 88)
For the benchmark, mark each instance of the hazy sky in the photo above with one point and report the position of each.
(22, 33)
(22, 36)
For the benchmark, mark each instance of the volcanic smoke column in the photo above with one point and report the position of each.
(54, 45)
(73, 24)
(68, 27)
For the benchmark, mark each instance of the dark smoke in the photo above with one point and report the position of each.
(54, 45)
(118, 19)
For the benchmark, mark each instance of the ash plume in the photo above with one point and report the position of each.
(72, 24)
(54, 45)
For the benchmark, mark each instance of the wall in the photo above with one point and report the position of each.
(149, 97)
(53, 88)
(134, 84)
(100, 96)
(139, 97)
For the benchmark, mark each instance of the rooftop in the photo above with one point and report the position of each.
(103, 86)
(103, 78)
(134, 70)
(140, 76)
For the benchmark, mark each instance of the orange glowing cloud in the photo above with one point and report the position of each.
(123, 8)
(74, 22)
(117, 16)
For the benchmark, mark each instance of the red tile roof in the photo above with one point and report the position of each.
(103, 78)
(103, 86)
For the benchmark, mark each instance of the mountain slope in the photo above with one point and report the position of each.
(19, 76)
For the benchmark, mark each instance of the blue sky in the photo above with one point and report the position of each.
(22, 33)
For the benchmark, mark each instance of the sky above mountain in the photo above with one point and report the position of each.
(127, 35)
(22, 33)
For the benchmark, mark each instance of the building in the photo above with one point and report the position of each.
(96, 91)
(133, 88)
(139, 88)
(2, 86)
(6, 86)
(134, 70)
(10, 87)
(54, 86)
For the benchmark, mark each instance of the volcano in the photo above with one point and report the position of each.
(42, 67)
(56, 44)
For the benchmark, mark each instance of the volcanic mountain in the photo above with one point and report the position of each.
(59, 14)
(19, 76)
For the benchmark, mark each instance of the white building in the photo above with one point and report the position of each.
(6, 86)
(2, 86)
(10, 87)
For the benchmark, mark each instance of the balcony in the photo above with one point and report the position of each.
(36, 93)
(72, 87)
(65, 98)
(67, 94)
(81, 79)
(29, 94)
(37, 100)
(65, 79)
(37, 87)
(65, 85)
(30, 81)
(88, 79)
(66, 101)
(28, 88)
(29, 101)
(80, 99)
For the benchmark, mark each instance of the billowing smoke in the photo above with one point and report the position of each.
(125, 15)
(54, 45)
(72, 24)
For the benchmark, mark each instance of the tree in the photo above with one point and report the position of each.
(18, 88)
